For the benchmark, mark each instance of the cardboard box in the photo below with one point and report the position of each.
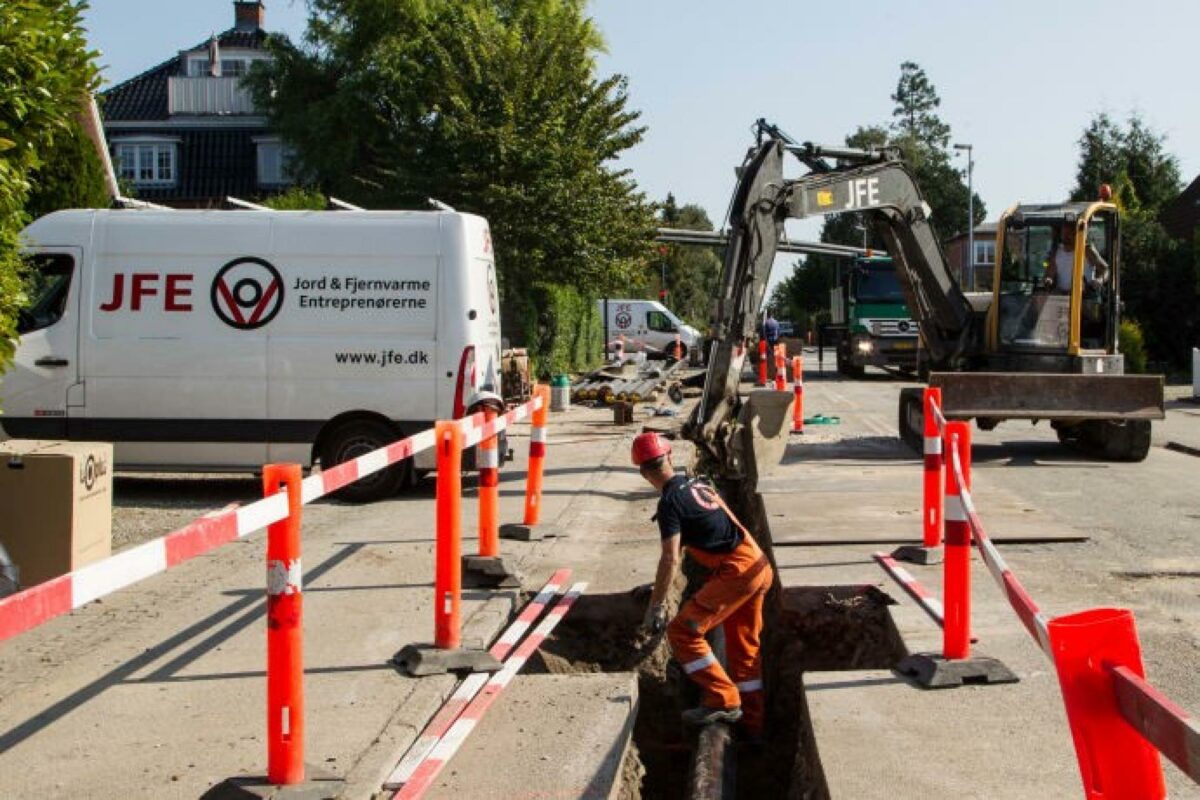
(55, 505)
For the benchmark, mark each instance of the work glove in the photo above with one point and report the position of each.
(655, 621)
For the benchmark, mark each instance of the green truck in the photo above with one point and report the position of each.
(870, 322)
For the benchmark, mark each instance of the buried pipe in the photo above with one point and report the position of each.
(714, 765)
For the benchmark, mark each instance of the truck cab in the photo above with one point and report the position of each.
(872, 323)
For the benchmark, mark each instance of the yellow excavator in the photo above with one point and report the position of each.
(1041, 346)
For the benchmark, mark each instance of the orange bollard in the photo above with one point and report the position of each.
(798, 388)
(933, 509)
(537, 456)
(956, 583)
(1115, 762)
(780, 368)
(678, 348)
(762, 362)
(489, 492)
(447, 588)
(285, 633)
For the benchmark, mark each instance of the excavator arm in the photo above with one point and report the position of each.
(872, 182)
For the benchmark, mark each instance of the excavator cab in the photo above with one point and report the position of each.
(1055, 287)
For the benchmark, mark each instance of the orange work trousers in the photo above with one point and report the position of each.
(733, 598)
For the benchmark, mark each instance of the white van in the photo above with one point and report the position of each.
(223, 340)
(647, 325)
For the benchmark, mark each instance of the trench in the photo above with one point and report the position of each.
(818, 628)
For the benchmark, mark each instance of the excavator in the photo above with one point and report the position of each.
(1041, 346)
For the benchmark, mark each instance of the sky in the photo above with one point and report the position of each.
(1018, 80)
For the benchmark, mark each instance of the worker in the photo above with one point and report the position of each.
(770, 332)
(1060, 265)
(693, 516)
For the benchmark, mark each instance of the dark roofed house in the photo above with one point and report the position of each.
(186, 133)
(1181, 216)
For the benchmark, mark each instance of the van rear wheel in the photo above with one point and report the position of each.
(357, 438)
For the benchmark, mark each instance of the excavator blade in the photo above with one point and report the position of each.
(761, 435)
(1053, 396)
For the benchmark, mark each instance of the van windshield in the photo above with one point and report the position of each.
(46, 282)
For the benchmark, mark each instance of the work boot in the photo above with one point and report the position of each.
(703, 715)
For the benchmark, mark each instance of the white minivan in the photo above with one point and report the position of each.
(647, 325)
(223, 340)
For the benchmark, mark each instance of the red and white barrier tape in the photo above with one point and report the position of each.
(1027, 610)
(938, 418)
(39, 604)
(466, 691)
(425, 773)
(1165, 725)
(916, 590)
(1170, 729)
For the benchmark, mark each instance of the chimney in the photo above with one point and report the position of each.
(249, 15)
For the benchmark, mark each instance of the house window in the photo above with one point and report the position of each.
(985, 252)
(234, 67)
(274, 162)
(146, 163)
(198, 67)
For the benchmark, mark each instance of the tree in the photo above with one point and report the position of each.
(915, 118)
(70, 176)
(691, 271)
(492, 106)
(47, 69)
(1160, 278)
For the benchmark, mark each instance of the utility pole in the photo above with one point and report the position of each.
(969, 269)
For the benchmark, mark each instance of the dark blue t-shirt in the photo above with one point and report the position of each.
(771, 330)
(689, 508)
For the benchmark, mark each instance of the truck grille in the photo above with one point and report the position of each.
(894, 327)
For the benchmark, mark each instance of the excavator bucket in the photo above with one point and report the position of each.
(761, 435)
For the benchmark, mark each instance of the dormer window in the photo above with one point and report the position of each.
(147, 161)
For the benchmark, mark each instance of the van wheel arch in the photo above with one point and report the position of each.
(353, 434)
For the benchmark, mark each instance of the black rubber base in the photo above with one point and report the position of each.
(918, 554)
(934, 672)
(489, 572)
(419, 660)
(317, 785)
(519, 532)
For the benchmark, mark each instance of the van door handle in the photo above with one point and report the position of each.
(51, 361)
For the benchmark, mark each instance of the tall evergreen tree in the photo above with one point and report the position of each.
(691, 271)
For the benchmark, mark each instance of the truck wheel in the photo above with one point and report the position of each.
(847, 367)
(357, 438)
(911, 420)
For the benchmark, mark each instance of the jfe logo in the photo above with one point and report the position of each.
(91, 471)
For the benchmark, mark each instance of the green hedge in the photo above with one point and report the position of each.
(562, 329)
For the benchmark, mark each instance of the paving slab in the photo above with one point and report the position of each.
(547, 736)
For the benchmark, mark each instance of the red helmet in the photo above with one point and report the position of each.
(649, 446)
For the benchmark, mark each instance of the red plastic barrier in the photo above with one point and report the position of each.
(932, 506)
(285, 633)
(1116, 763)
(956, 635)
(447, 633)
(489, 492)
(762, 362)
(537, 457)
(798, 388)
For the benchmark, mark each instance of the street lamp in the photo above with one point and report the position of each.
(969, 272)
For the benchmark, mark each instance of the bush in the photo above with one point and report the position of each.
(298, 198)
(1132, 344)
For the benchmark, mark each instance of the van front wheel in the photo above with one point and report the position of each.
(357, 438)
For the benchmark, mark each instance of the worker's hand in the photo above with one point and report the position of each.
(655, 621)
